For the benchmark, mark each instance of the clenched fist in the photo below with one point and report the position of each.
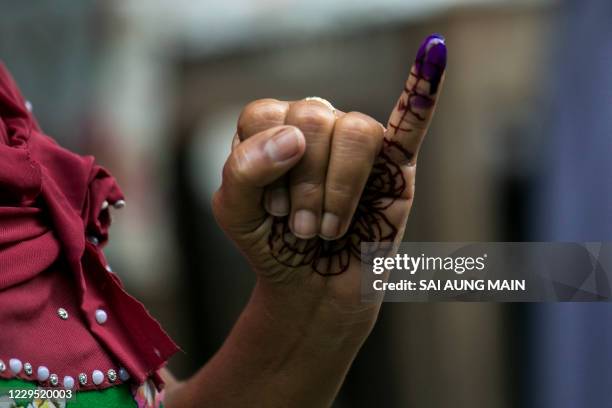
(305, 184)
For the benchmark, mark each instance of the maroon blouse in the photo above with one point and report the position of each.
(65, 319)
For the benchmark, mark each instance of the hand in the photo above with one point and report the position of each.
(305, 184)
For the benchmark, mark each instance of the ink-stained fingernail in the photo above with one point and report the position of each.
(330, 226)
(278, 202)
(283, 145)
(305, 224)
(430, 61)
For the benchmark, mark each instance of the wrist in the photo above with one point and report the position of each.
(284, 350)
(311, 309)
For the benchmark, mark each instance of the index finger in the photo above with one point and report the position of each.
(412, 113)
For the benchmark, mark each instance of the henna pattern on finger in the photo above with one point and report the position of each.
(408, 106)
(429, 66)
(385, 184)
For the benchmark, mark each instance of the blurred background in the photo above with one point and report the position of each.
(519, 150)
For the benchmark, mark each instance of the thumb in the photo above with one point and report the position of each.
(253, 164)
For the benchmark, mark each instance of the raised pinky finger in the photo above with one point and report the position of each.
(412, 113)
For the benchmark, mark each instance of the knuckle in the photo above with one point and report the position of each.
(308, 189)
(359, 129)
(340, 191)
(351, 142)
(260, 115)
(311, 117)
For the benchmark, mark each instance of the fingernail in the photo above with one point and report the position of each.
(305, 224)
(330, 226)
(431, 60)
(283, 145)
(278, 202)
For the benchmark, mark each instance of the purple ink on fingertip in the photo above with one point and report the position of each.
(430, 61)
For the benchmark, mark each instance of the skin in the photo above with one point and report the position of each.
(300, 331)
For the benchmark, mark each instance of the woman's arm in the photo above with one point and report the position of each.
(304, 186)
(279, 354)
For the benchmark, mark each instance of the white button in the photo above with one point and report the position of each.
(15, 365)
(104, 205)
(43, 373)
(28, 106)
(123, 374)
(93, 240)
(108, 268)
(68, 382)
(119, 204)
(97, 377)
(101, 316)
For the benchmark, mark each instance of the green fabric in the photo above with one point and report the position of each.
(113, 397)
(15, 384)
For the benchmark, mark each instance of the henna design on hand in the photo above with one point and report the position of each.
(428, 67)
(385, 184)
